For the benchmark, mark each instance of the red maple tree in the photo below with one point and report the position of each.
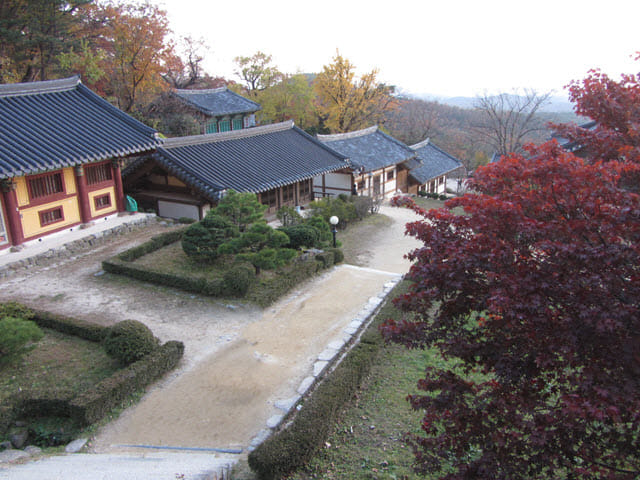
(536, 289)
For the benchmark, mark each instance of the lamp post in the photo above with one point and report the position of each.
(334, 221)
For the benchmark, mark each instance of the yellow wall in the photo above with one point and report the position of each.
(99, 193)
(21, 191)
(69, 180)
(31, 220)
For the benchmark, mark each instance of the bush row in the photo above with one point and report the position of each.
(152, 245)
(70, 326)
(435, 196)
(92, 405)
(95, 403)
(293, 446)
(238, 281)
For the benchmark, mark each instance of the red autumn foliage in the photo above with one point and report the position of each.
(536, 290)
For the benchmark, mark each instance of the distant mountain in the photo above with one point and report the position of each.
(557, 104)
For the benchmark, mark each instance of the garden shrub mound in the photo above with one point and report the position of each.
(293, 446)
(91, 405)
(128, 341)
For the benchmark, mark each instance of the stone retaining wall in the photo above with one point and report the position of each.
(74, 248)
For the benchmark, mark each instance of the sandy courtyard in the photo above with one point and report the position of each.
(239, 359)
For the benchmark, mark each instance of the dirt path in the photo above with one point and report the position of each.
(238, 359)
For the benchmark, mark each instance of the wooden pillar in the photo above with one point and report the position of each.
(117, 177)
(324, 186)
(83, 194)
(14, 223)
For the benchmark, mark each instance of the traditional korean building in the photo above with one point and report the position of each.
(219, 109)
(61, 148)
(429, 170)
(378, 160)
(188, 175)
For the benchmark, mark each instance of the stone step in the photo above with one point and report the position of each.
(150, 466)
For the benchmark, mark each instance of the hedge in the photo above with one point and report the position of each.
(293, 446)
(71, 326)
(264, 292)
(152, 245)
(95, 403)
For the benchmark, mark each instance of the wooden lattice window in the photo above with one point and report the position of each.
(46, 185)
(102, 201)
(237, 124)
(390, 175)
(224, 126)
(305, 187)
(269, 198)
(288, 193)
(98, 173)
(53, 215)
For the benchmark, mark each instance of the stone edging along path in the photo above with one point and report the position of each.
(327, 359)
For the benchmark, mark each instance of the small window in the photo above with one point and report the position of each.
(45, 185)
(305, 187)
(390, 175)
(288, 193)
(361, 185)
(269, 198)
(225, 126)
(98, 173)
(237, 124)
(211, 127)
(102, 201)
(53, 215)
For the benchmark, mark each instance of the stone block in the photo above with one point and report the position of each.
(305, 384)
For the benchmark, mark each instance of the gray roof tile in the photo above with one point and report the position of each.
(60, 123)
(248, 160)
(217, 101)
(432, 162)
(370, 148)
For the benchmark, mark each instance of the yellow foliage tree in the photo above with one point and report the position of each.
(347, 103)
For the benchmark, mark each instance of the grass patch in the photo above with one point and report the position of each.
(428, 203)
(172, 259)
(59, 363)
(368, 441)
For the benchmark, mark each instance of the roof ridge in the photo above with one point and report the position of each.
(202, 90)
(224, 136)
(421, 144)
(342, 136)
(45, 86)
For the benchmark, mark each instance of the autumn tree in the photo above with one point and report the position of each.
(292, 98)
(535, 291)
(257, 72)
(509, 120)
(347, 103)
(615, 105)
(137, 47)
(185, 70)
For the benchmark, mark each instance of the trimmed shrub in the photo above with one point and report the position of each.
(128, 341)
(238, 279)
(71, 326)
(16, 310)
(326, 259)
(17, 337)
(187, 220)
(338, 255)
(323, 227)
(303, 235)
(363, 206)
(95, 403)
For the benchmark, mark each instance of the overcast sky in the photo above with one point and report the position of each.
(446, 48)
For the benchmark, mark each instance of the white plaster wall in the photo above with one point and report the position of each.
(335, 184)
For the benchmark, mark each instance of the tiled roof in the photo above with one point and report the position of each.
(370, 148)
(61, 123)
(432, 162)
(249, 160)
(217, 101)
